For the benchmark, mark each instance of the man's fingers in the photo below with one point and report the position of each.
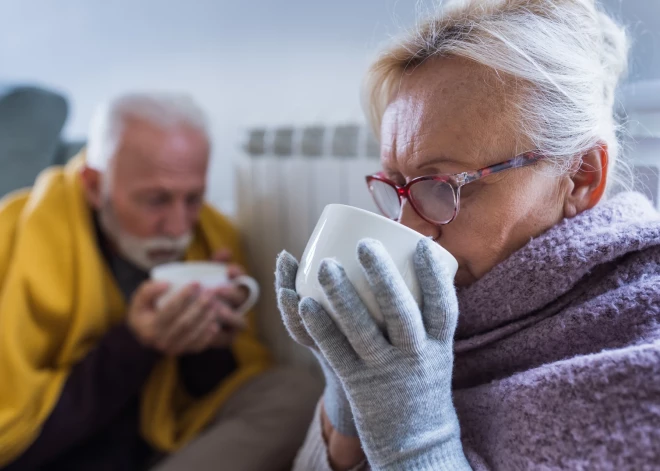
(148, 292)
(235, 270)
(179, 302)
(207, 338)
(231, 294)
(222, 256)
(188, 319)
(199, 336)
(229, 319)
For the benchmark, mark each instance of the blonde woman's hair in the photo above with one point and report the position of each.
(565, 56)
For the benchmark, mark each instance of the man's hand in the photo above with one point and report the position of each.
(142, 313)
(230, 297)
(188, 323)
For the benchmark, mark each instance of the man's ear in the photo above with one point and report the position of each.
(589, 179)
(92, 182)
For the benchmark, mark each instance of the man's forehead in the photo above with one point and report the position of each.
(146, 149)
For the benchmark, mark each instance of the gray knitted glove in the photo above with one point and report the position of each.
(334, 398)
(399, 384)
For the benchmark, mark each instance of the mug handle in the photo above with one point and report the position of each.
(253, 290)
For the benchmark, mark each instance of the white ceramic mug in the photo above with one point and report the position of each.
(209, 275)
(336, 236)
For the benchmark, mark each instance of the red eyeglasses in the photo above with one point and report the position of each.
(436, 199)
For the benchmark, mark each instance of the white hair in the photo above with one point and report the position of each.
(164, 110)
(566, 58)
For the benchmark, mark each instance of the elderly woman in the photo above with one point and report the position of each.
(498, 142)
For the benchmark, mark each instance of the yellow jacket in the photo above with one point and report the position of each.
(57, 298)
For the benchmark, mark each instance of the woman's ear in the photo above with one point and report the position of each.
(589, 179)
(92, 182)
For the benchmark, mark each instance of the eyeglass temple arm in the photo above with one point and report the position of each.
(522, 160)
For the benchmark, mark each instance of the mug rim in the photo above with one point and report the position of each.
(376, 216)
(175, 271)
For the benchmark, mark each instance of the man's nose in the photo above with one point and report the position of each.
(411, 219)
(177, 222)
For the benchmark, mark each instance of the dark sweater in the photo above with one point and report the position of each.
(95, 423)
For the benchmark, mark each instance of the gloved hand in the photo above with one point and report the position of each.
(398, 382)
(335, 403)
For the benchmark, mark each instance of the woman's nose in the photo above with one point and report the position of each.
(411, 219)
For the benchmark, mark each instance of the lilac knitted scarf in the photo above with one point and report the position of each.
(558, 348)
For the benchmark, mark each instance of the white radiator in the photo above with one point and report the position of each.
(282, 185)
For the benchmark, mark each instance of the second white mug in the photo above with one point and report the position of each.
(208, 274)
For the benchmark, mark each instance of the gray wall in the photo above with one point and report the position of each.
(249, 62)
(642, 18)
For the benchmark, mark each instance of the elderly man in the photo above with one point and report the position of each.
(94, 373)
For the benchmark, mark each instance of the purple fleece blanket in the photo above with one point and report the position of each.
(558, 348)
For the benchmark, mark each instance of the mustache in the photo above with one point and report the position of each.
(173, 244)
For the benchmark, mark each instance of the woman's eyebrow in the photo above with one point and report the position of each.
(442, 159)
